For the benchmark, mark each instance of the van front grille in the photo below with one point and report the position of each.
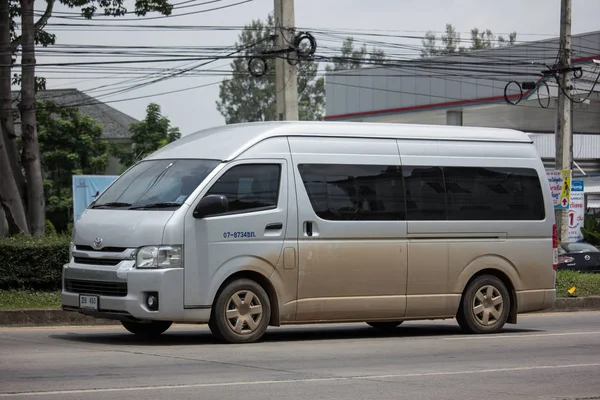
(101, 288)
(95, 261)
(103, 250)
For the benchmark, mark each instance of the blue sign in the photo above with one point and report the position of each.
(85, 190)
(576, 186)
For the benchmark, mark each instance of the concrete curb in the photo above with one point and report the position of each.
(566, 304)
(59, 317)
(48, 317)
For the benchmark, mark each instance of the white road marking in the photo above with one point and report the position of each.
(285, 381)
(513, 335)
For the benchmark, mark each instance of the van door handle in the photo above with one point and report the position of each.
(309, 228)
(275, 226)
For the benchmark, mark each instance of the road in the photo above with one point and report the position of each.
(545, 356)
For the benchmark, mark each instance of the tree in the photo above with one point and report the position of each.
(149, 135)
(351, 58)
(70, 144)
(15, 15)
(245, 98)
(451, 39)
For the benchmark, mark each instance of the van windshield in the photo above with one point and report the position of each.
(157, 184)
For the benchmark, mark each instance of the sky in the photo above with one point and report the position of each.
(193, 108)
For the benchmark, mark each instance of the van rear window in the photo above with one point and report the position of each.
(493, 194)
(423, 193)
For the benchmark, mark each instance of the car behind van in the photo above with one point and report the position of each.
(253, 225)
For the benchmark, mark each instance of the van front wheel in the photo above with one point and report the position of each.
(485, 305)
(241, 312)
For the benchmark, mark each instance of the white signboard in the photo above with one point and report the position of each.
(560, 182)
(556, 185)
(576, 211)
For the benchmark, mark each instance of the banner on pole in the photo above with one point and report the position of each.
(560, 186)
(576, 212)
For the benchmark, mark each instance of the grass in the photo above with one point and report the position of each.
(26, 299)
(585, 284)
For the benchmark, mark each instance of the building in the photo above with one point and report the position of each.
(115, 123)
(472, 89)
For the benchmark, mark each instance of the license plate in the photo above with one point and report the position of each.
(88, 302)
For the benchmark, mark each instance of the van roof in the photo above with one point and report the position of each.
(228, 141)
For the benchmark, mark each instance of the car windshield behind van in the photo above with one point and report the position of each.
(155, 184)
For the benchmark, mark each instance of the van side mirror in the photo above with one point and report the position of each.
(211, 205)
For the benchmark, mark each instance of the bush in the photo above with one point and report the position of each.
(49, 229)
(33, 262)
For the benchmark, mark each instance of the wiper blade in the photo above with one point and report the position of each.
(156, 205)
(112, 204)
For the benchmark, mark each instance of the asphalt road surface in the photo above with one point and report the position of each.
(545, 356)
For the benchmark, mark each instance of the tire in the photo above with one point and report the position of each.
(478, 313)
(247, 322)
(385, 326)
(147, 330)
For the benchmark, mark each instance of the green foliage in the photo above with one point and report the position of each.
(591, 230)
(149, 135)
(49, 230)
(70, 144)
(116, 8)
(585, 284)
(33, 263)
(351, 58)
(28, 299)
(451, 40)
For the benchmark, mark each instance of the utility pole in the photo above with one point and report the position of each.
(286, 84)
(564, 127)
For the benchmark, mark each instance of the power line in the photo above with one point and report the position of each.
(161, 17)
(177, 6)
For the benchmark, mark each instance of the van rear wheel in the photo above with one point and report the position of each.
(149, 329)
(484, 306)
(241, 313)
(385, 326)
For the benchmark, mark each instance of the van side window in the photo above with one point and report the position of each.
(249, 187)
(354, 192)
(425, 193)
(487, 193)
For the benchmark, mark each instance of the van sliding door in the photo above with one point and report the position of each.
(352, 230)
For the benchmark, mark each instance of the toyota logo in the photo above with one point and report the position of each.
(587, 257)
(97, 243)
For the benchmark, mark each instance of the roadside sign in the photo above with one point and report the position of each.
(576, 212)
(565, 194)
(560, 186)
(85, 190)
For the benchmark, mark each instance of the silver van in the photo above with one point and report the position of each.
(250, 225)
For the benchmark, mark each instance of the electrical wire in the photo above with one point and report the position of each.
(437, 67)
(160, 17)
(177, 6)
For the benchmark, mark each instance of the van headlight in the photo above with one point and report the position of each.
(159, 257)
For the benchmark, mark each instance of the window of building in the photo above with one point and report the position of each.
(249, 187)
(354, 192)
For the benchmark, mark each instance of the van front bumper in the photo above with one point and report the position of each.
(122, 292)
